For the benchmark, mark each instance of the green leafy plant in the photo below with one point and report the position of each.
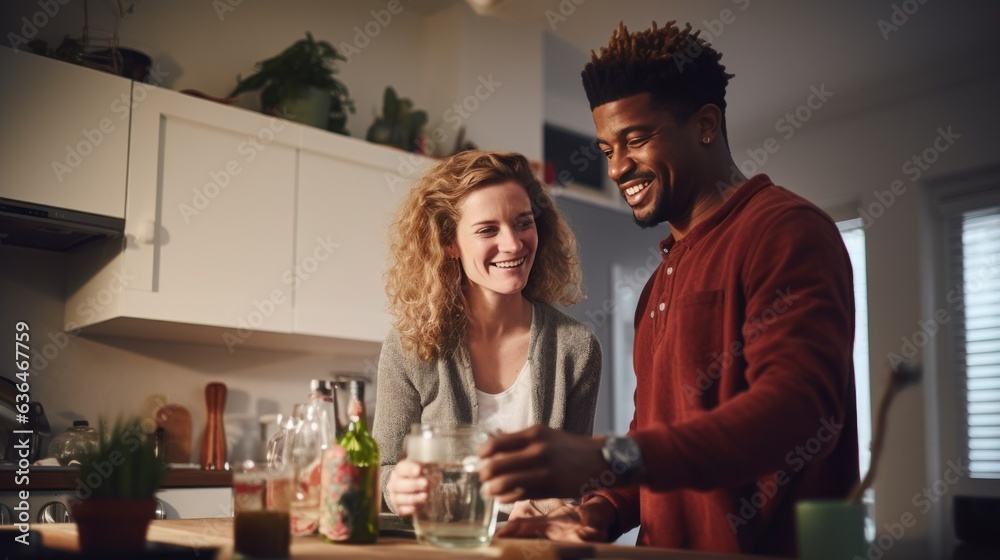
(123, 465)
(287, 76)
(69, 50)
(399, 124)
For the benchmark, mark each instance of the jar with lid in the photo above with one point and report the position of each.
(72, 444)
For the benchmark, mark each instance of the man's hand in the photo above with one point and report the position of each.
(589, 522)
(535, 508)
(541, 463)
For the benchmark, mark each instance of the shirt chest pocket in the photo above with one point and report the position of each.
(696, 321)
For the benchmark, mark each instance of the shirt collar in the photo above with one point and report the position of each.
(743, 193)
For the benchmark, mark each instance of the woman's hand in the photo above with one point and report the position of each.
(407, 488)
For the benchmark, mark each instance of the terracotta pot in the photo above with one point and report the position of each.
(112, 525)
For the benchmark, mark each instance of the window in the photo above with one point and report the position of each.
(972, 248)
(853, 233)
(854, 239)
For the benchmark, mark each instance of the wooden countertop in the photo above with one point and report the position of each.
(218, 533)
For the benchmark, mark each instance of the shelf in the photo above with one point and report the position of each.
(65, 478)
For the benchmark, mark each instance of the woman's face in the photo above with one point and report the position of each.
(496, 238)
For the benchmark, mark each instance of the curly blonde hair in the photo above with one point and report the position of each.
(424, 284)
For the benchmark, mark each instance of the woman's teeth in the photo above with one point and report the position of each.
(636, 189)
(510, 264)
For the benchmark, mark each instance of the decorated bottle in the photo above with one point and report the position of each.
(350, 499)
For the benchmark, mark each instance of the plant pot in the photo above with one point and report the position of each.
(112, 525)
(311, 108)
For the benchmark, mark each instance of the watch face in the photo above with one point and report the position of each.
(622, 454)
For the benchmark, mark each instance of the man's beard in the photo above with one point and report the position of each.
(657, 214)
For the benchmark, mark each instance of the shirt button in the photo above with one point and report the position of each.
(652, 314)
(663, 306)
(665, 251)
(670, 270)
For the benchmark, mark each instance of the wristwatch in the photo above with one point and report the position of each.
(623, 456)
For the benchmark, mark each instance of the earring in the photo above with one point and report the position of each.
(706, 140)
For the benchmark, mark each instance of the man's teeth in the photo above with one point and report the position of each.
(633, 190)
(509, 264)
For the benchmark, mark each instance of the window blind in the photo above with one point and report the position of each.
(973, 249)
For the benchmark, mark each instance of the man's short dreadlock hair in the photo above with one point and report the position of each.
(679, 69)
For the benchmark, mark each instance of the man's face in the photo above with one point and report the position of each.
(653, 159)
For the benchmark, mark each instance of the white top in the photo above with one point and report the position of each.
(510, 410)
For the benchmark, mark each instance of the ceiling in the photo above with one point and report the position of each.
(779, 49)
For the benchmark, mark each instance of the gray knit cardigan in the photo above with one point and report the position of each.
(565, 365)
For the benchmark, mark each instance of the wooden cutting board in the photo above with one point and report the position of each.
(176, 423)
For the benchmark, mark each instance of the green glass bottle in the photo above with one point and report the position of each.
(350, 497)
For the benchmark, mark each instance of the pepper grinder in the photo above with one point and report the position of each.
(213, 443)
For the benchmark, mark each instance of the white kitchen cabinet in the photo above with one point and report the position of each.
(348, 191)
(245, 231)
(65, 134)
(209, 221)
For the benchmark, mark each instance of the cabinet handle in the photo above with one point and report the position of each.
(147, 232)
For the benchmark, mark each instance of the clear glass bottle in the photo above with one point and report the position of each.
(73, 443)
(314, 433)
(350, 498)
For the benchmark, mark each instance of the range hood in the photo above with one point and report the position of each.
(56, 229)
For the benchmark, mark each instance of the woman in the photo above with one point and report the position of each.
(478, 253)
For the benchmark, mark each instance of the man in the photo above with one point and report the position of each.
(743, 334)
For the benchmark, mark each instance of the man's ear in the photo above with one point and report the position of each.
(708, 121)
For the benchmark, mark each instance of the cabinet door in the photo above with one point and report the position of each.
(65, 140)
(210, 213)
(348, 192)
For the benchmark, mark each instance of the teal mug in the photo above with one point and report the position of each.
(831, 530)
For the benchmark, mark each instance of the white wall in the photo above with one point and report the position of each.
(486, 75)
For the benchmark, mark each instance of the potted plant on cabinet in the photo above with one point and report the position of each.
(116, 489)
(399, 124)
(299, 84)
